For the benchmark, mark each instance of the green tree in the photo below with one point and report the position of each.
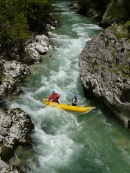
(17, 19)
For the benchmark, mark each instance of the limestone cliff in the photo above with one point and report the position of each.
(105, 70)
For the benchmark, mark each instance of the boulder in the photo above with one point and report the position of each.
(35, 48)
(5, 168)
(14, 128)
(13, 72)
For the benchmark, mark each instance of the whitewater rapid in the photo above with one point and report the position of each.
(66, 142)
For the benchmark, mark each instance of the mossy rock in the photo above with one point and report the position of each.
(1, 78)
(128, 28)
(6, 152)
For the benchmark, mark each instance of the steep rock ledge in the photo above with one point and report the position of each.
(105, 70)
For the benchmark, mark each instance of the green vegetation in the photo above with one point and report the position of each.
(98, 5)
(1, 77)
(127, 23)
(18, 19)
(116, 11)
(106, 43)
(94, 64)
(122, 33)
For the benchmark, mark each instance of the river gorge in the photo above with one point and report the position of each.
(65, 142)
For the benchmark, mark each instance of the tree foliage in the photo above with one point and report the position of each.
(116, 10)
(19, 18)
(98, 5)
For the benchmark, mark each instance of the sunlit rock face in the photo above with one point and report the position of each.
(35, 48)
(13, 73)
(105, 70)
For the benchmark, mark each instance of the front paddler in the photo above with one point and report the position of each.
(54, 97)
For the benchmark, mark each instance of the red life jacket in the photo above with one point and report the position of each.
(54, 97)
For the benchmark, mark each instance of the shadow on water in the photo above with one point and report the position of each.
(107, 113)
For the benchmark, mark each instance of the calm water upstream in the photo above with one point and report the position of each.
(67, 142)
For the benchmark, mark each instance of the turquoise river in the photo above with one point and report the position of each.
(65, 142)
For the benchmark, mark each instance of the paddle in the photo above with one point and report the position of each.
(45, 105)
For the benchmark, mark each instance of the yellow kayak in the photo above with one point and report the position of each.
(77, 109)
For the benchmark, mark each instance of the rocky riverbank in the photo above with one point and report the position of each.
(16, 124)
(14, 128)
(105, 70)
(105, 61)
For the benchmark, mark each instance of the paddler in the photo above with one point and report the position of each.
(74, 100)
(54, 97)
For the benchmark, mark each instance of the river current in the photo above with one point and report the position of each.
(66, 142)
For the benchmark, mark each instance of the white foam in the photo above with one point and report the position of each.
(55, 130)
(54, 150)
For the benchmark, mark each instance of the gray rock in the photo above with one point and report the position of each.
(105, 70)
(13, 72)
(38, 46)
(14, 128)
(5, 168)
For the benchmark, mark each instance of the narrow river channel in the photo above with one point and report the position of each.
(66, 142)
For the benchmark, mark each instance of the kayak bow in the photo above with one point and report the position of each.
(77, 109)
